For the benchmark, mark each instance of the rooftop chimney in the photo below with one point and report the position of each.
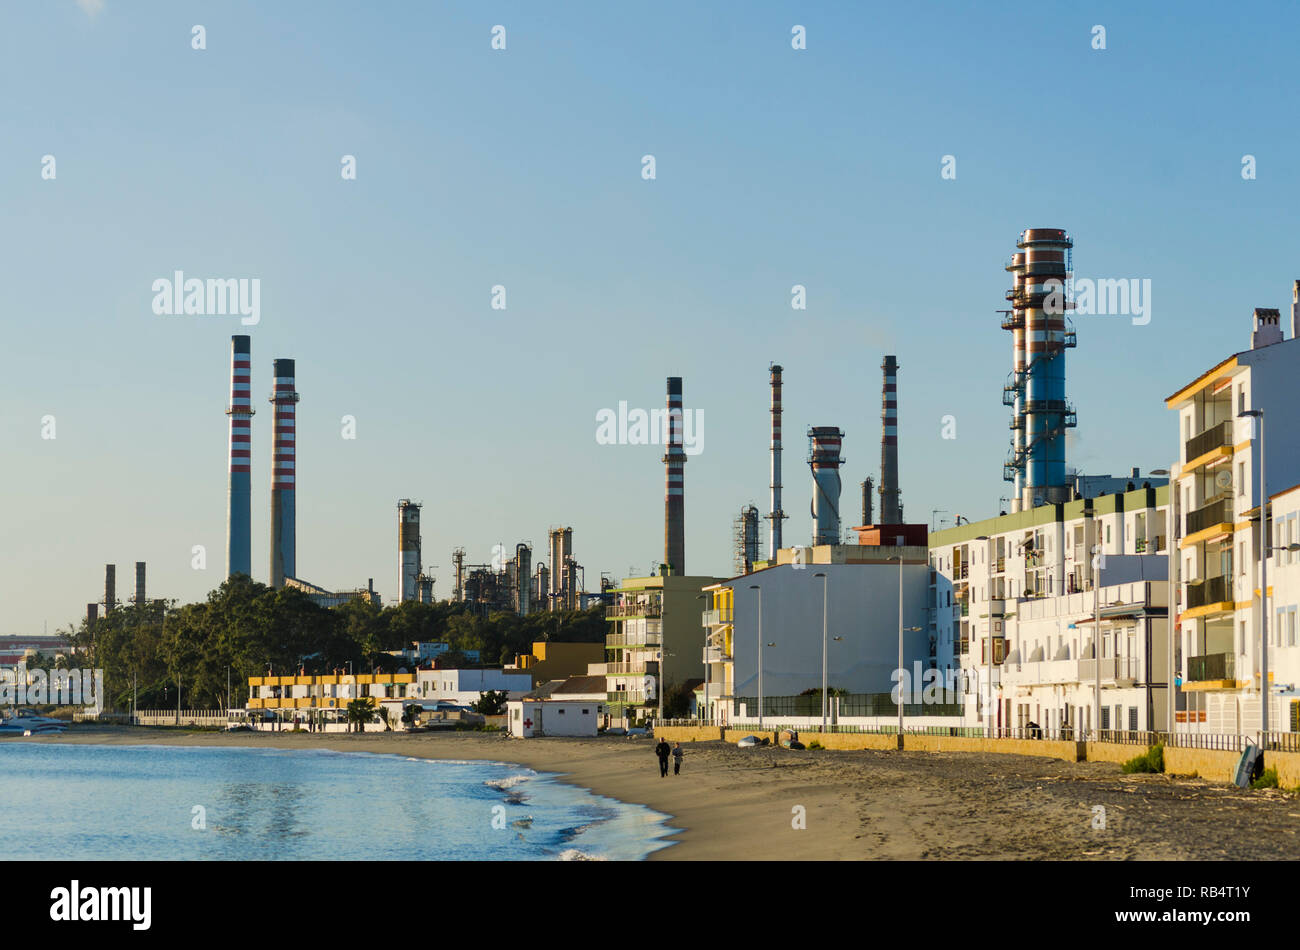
(1267, 327)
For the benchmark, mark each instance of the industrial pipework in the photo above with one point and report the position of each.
(239, 531)
(283, 476)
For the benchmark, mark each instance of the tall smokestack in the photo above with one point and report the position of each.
(775, 515)
(408, 550)
(1013, 393)
(239, 534)
(867, 500)
(1044, 412)
(824, 456)
(110, 587)
(523, 578)
(283, 476)
(92, 614)
(674, 488)
(139, 582)
(891, 511)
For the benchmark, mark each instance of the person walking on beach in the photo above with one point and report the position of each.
(662, 750)
(677, 759)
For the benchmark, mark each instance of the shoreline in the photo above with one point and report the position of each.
(774, 804)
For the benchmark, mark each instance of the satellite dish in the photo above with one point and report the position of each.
(1223, 479)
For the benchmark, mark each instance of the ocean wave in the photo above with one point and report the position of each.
(502, 784)
(573, 854)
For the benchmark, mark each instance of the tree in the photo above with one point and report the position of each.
(360, 712)
(491, 703)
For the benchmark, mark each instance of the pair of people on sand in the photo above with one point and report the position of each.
(663, 750)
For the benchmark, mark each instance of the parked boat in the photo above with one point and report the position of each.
(26, 721)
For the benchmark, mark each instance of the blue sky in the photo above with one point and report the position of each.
(522, 168)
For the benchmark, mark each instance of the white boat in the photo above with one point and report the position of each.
(26, 722)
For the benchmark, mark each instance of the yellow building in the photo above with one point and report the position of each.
(287, 696)
(557, 661)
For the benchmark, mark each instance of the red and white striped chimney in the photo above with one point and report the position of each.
(283, 476)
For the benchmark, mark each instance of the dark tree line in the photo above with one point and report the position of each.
(245, 629)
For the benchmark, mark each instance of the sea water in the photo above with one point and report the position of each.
(88, 802)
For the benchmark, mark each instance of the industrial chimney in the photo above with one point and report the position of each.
(110, 587)
(139, 582)
(891, 511)
(866, 500)
(824, 457)
(92, 614)
(1036, 388)
(775, 515)
(523, 578)
(239, 536)
(283, 476)
(674, 487)
(408, 550)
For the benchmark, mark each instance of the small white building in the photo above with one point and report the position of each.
(527, 718)
(467, 686)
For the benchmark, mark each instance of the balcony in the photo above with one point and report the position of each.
(1215, 437)
(1120, 670)
(636, 668)
(712, 618)
(1217, 512)
(714, 654)
(619, 611)
(1212, 590)
(1211, 667)
(617, 640)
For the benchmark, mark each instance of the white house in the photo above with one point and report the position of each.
(554, 717)
(466, 686)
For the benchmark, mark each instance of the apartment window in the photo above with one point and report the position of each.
(1290, 627)
(1187, 427)
(1241, 478)
(1132, 718)
(1108, 534)
(1105, 717)
(1241, 638)
(1241, 399)
(1241, 557)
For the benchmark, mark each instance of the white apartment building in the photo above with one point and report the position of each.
(1022, 589)
(1219, 649)
(467, 686)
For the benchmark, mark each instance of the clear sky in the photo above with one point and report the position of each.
(522, 167)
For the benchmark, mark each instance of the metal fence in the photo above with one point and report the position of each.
(843, 706)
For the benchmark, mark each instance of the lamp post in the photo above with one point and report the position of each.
(1096, 638)
(1171, 611)
(988, 659)
(707, 637)
(825, 580)
(1263, 574)
(760, 652)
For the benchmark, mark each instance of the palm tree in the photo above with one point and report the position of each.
(360, 711)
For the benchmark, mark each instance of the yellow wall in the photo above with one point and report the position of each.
(1114, 751)
(1211, 764)
(1287, 765)
(1046, 748)
(688, 733)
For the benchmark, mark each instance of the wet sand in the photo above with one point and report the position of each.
(744, 804)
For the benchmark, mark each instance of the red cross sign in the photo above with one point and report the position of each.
(528, 724)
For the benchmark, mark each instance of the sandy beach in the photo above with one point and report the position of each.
(739, 804)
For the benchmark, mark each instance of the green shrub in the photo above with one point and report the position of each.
(1153, 760)
(814, 744)
(1267, 780)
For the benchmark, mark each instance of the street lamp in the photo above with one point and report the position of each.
(707, 636)
(825, 581)
(901, 628)
(988, 659)
(1171, 621)
(760, 653)
(1263, 574)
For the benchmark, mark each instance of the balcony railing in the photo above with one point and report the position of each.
(714, 655)
(1212, 590)
(712, 618)
(633, 610)
(1218, 512)
(1212, 666)
(1114, 669)
(634, 639)
(637, 668)
(1214, 437)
